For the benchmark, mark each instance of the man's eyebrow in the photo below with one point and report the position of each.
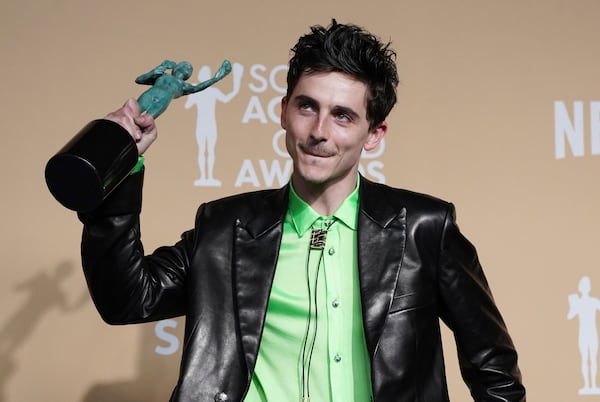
(305, 99)
(346, 110)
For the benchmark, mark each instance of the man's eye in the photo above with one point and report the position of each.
(305, 106)
(343, 117)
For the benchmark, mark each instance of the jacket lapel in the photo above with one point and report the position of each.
(255, 250)
(381, 242)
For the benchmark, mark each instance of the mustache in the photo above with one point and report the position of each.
(317, 149)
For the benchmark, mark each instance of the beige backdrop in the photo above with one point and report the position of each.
(492, 92)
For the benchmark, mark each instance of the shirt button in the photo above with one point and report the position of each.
(331, 251)
(221, 397)
(337, 358)
(335, 303)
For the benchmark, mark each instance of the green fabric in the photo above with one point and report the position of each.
(139, 165)
(340, 367)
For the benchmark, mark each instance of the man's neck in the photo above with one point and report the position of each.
(324, 198)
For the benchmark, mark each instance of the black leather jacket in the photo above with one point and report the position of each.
(414, 265)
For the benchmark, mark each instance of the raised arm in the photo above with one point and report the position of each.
(152, 75)
(220, 74)
(126, 285)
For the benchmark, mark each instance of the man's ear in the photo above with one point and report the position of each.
(282, 116)
(375, 136)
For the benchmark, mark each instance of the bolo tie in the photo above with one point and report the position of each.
(318, 238)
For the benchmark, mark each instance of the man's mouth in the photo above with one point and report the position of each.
(317, 152)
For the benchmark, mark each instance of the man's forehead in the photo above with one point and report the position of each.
(334, 88)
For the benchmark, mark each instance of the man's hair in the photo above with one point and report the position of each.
(352, 50)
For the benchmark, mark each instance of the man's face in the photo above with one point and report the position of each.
(325, 119)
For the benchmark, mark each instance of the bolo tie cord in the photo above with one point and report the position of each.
(317, 242)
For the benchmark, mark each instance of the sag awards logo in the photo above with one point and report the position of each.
(584, 307)
(576, 129)
(266, 88)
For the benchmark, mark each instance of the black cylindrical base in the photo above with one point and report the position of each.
(91, 165)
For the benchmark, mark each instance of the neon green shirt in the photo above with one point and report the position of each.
(338, 369)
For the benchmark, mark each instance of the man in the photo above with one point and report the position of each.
(330, 288)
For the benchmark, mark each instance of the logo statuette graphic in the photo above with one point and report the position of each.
(206, 122)
(585, 307)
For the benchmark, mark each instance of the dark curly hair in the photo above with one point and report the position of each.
(349, 49)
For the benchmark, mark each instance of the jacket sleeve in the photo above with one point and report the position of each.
(487, 356)
(127, 286)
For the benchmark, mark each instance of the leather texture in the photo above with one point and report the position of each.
(415, 268)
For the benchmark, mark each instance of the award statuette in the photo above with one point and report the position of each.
(93, 163)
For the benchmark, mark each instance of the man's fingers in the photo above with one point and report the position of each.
(144, 120)
(132, 106)
(141, 126)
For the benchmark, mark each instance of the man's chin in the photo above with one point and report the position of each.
(311, 176)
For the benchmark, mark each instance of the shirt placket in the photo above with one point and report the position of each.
(337, 351)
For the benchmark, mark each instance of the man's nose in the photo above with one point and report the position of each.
(319, 129)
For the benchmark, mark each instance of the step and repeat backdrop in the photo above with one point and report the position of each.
(498, 112)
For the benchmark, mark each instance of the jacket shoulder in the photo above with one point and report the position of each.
(401, 198)
(268, 201)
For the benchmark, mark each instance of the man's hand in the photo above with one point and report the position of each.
(140, 126)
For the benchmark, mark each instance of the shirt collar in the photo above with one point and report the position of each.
(303, 216)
